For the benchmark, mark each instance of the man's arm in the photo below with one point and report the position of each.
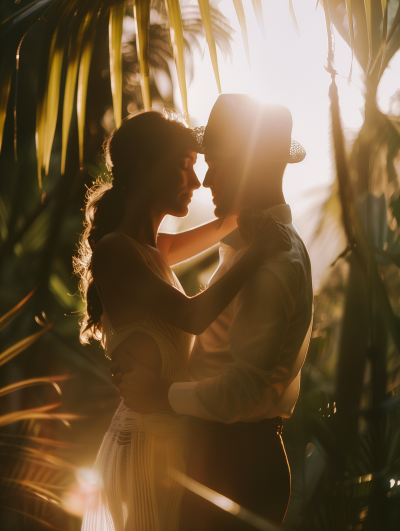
(251, 386)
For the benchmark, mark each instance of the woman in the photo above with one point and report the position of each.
(134, 302)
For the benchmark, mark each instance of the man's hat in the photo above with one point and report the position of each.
(241, 126)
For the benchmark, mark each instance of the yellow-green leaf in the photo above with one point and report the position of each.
(243, 26)
(117, 12)
(351, 33)
(9, 316)
(293, 17)
(39, 137)
(6, 71)
(52, 98)
(368, 15)
(258, 11)
(84, 68)
(175, 25)
(142, 20)
(69, 93)
(14, 350)
(384, 5)
(34, 381)
(206, 18)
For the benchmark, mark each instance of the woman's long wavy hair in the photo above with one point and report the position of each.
(141, 140)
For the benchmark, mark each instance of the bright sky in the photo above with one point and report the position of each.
(288, 69)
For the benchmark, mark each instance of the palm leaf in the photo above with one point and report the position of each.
(9, 316)
(384, 6)
(351, 33)
(88, 29)
(51, 100)
(293, 17)
(206, 18)
(142, 19)
(36, 413)
(69, 93)
(368, 16)
(175, 24)
(6, 71)
(243, 26)
(258, 11)
(117, 12)
(33, 487)
(395, 23)
(34, 381)
(14, 350)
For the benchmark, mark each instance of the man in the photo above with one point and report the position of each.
(245, 367)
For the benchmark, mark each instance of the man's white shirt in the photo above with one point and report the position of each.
(246, 365)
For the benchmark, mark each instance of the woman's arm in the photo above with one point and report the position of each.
(127, 283)
(183, 245)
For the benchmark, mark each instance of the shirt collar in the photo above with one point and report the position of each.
(282, 212)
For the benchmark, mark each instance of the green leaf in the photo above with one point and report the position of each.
(175, 25)
(206, 18)
(293, 17)
(88, 29)
(351, 33)
(69, 93)
(9, 316)
(117, 12)
(14, 350)
(243, 26)
(142, 19)
(258, 11)
(6, 71)
(52, 99)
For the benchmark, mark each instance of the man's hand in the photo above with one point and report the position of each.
(143, 390)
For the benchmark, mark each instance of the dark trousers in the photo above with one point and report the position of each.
(247, 463)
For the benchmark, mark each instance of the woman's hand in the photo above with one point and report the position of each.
(263, 231)
(142, 389)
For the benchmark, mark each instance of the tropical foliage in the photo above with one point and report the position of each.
(90, 61)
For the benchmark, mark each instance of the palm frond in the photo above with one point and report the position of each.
(175, 23)
(117, 12)
(9, 316)
(206, 17)
(142, 20)
(14, 350)
(243, 26)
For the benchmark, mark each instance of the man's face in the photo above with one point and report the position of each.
(222, 178)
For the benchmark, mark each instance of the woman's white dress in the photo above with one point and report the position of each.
(134, 490)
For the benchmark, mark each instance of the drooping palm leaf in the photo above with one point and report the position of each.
(142, 20)
(175, 23)
(351, 33)
(6, 72)
(258, 11)
(69, 93)
(88, 29)
(117, 12)
(243, 26)
(9, 316)
(368, 17)
(32, 382)
(14, 350)
(293, 17)
(206, 17)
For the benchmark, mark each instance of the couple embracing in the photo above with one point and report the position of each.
(205, 380)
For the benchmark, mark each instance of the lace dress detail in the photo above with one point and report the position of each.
(133, 490)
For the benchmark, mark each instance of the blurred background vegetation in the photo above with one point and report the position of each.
(343, 440)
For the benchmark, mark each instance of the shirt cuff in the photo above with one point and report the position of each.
(183, 399)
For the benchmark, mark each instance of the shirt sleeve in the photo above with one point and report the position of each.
(253, 383)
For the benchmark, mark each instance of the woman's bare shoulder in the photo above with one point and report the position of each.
(116, 250)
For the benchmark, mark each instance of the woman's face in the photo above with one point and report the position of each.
(177, 180)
